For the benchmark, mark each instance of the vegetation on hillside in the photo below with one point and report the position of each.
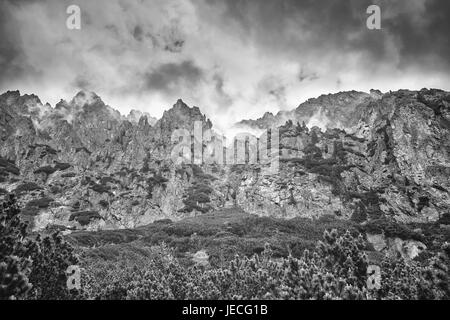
(31, 267)
(331, 262)
(197, 196)
(335, 269)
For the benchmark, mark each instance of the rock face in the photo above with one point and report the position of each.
(409, 153)
(360, 156)
(201, 258)
(327, 111)
(393, 159)
(396, 247)
(86, 158)
(135, 115)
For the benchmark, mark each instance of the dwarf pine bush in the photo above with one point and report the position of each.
(336, 269)
(14, 253)
(31, 268)
(50, 260)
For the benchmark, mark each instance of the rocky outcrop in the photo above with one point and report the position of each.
(135, 116)
(396, 247)
(88, 157)
(392, 160)
(327, 111)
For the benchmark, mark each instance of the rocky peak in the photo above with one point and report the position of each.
(181, 109)
(377, 94)
(326, 111)
(180, 104)
(83, 98)
(181, 115)
(266, 121)
(20, 102)
(136, 116)
(178, 117)
(62, 104)
(9, 97)
(336, 99)
(88, 106)
(28, 107)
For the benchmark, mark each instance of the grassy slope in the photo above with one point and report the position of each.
(222, 234)
(225, 233)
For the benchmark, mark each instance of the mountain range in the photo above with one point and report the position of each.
(353, 155)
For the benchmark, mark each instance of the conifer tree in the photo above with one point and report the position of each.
(15, 251)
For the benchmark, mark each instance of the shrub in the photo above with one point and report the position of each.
(32, 268)
(5, 162)
(47, 149)
(444, 219)
(335, 269)
(103, 203)
(25, 187)
(198, 194)
(29, 211)
(83, 149)
(391, 229)
(48, 273)
(8, 166)
(156, 180)
(368, 206)
(40, 203)
(13, 169)
(14, 251)
(105, 180)
(403, 280)
(359, 215)
(85, 217)
(163, 221)
(100, 188)
(62, 166)
(48, 170)
(68, 175)
(13, 281)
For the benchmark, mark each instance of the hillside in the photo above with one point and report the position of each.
(377, 176)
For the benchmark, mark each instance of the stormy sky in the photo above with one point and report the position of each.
(234, 59)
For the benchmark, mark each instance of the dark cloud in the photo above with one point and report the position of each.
(224, 99)
(329, 22)
(307, 76)
(13, 63)
(279, 94)
(22, 2)
(173, 38)
(138, 33)
(168, 77)
(340, 26)
(174, 46)
(429, 39)
(83, 83)
(170, 38)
